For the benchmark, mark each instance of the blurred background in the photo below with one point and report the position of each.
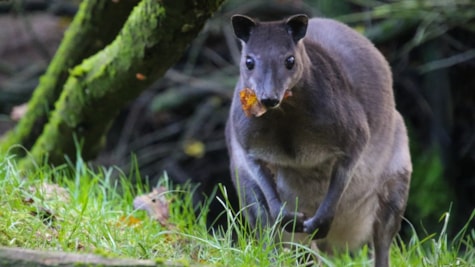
(177, 125)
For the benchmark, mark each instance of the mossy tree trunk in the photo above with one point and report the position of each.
(152, 39)
(96, 25)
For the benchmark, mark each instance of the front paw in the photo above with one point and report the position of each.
(317, 227)
(293, 222)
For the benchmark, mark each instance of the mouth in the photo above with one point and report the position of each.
(253, 107)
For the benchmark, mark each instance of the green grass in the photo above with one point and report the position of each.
(95, 219)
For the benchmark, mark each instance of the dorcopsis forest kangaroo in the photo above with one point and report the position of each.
(313, 134)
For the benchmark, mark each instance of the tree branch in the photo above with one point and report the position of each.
(151, 41)
(96, 25)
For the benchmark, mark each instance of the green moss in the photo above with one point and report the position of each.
(183, 262)
(187, 28)
(78, 71)
(159, 260)
(104, 253)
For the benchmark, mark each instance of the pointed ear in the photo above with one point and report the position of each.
(297, 26)
(242, 26)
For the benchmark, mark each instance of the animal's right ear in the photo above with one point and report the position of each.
(242, 26)
(297, 26)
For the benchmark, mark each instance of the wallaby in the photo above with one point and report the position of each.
(326, 151)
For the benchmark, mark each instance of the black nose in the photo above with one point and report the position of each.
(270, 102)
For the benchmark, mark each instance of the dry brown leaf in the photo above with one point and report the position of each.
(140, 76)
(49, 192)
(51, 196)
(129, 221)
(156, 205)
(18, 111)
(48, 235)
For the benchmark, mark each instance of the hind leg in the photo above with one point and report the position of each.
(392, 203)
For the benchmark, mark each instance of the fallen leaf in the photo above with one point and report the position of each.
(48, 235)
(51, 198)
(140, 76)
(156, 205)
(18, 112)
(129, 221)
(194, 148)
(49, 192)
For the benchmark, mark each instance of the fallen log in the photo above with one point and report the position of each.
(20, 257)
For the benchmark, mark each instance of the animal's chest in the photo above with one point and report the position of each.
(307, 185)
(289, 142)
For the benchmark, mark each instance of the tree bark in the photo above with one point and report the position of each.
(152, 39)
(18, 257)
(96, 25)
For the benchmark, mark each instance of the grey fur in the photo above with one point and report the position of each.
(337, 149)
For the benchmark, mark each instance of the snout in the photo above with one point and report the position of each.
(270, 102)
(273, 102)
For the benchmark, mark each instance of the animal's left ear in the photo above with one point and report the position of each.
(297, 26)
(243, 26)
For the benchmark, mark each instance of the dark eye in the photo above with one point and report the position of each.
(250, 63)
(289, 62)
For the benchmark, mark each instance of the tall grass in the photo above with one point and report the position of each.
(96, 215)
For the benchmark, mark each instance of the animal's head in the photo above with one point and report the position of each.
(271, 61)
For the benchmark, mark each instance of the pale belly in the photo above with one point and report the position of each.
(356, 212)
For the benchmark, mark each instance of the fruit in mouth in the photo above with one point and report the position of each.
(251, 105)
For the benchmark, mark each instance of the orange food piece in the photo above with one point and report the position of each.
(250, 104)
(248, 98)
(287, 94)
